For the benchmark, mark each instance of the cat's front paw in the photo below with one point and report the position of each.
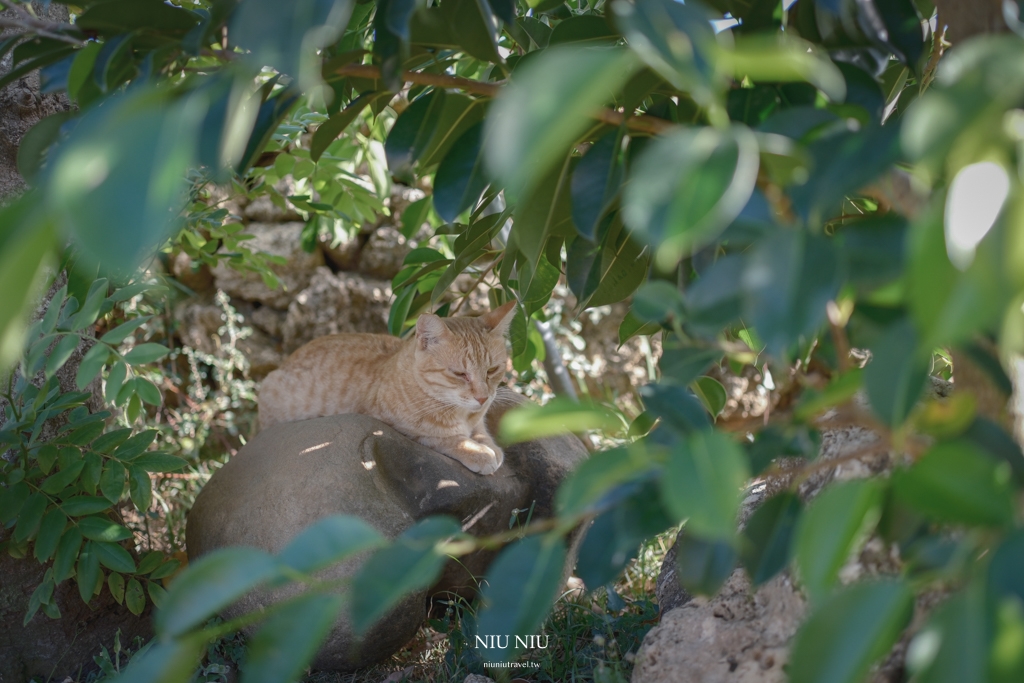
(479, 457)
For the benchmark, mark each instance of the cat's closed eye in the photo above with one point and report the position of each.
(460, 375)
(493, 370)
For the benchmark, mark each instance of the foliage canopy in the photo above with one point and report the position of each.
(741, 177)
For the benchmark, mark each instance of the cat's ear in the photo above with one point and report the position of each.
(430, 329)
(500, 318)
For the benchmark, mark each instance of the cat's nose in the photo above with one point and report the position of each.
(481, 400)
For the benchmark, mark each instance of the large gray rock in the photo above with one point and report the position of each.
(293, 474)
(739, 636)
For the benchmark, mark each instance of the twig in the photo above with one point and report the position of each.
(476, 284)
(641, 124)
(29, 23)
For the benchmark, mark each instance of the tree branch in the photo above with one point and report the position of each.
(650, 125)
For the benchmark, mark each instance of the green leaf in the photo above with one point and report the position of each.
(787, 282)
(475, 27)
(146, 353)
(288, 35)
(135, 445)
(596, 181)
(834, 526)
(150, 561)
(537, 117)
(60, 354)
(677, 41)
(67, 553)
(122, 331)
(703, 483)
(166, 569)
(656, 300)
(84, 505)
(783, 58)
(90, 310)
(852, 630)
(115, 378)
(521, 585)
(896, 376)
(954, 644)
(768, 537)
(115, 582)
(115, 557)
(134, 598)
(702, 564)
(115, 185)
(33, 146)
(50, 530)
(158, 461)
(91, 364)
(173, 661)
(683, 365)
(558, 416)
(460, 180)
(620, 268)
(88, 574)
(411, 563)
(12, 499)
(24, 248)
(839, 390)
(711, 393)
(597, 475)
(328, 131)
(542, 214)
(140, 488)
(112, 481)
(686, 189)
(102, 529)
(30, 517)
(281, 652)
(412, 133)
(329, 541)
(211, 583)
(614, 538)
(415, 215)
(958, 483)
(631, 326)
(157, 594)
(468, 247)
(678, 408)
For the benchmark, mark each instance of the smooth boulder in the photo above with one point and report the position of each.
(293, 474)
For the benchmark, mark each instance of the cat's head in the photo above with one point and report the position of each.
(460, 361)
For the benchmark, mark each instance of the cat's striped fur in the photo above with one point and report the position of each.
(434, 387)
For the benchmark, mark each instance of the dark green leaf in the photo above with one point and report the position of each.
(67, 553)
(12, 498)
(685, 190)
(787, 281)
(30, 517)
(328, 541)
(546, 107)
(84, 505)
(115, 557)
(847, 634)
(411, 563)
(656, 300)
(115, 582)
(146, 353)
(122, 331)
(587, 29)
(683, 365)
(102, 529)
(897, 373)
(521, 585)
(88, 574)
(711, 393)
(958, 483)
(91, 364)
(173, 661)
(281, 652)
(134, 598)
(328, 131)
(211, 583)
(158, 461)
(704, 564)
(50, 530)
(597, 475)
(678, 408)
(658, 29)
(135, 445)
(596, 181)
(140, 488)
(460, 180)
(615, 536)
(703, 482)
(112, 481)
(834, 525)
(768, 537)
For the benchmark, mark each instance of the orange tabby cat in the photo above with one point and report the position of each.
(434, 387)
